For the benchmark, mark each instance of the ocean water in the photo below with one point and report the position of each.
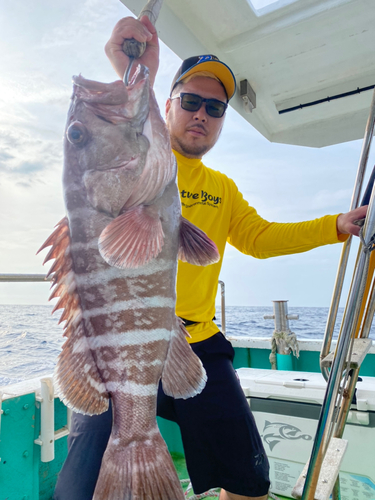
(31, 339)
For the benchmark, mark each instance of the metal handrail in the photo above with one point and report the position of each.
(222, 290)
(326, 420)
(28, 278)
(23, 278)
(332, 315)
(333, 396)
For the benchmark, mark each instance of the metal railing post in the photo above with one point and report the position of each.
(329, 422)
(332, 315)
(223, 325)
(46, 439)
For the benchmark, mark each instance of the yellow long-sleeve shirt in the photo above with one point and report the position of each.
(212, 201)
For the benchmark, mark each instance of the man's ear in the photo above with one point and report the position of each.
(167, 106)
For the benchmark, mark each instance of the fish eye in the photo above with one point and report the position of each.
(76, 133)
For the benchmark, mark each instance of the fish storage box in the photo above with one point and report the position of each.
(286, 406)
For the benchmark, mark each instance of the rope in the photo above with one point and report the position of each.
(273, 496)
(290, 340)
(191, 496)
(210, 493)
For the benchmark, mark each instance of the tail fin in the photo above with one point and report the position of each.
(143, 470)
(183, 373)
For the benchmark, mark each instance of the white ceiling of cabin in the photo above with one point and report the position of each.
(291, 52)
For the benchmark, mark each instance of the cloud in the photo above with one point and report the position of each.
(325, 199)
(62, 38)
(24, 184)
(4, 156)
(29, 168)
(26, 156)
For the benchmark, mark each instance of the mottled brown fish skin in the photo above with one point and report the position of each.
(122, 332)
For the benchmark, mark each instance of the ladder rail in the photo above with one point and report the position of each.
(334, 306)
(330, 403)
(334, 414)
(340, 276)
(348, 398)
(342, 418)
(369, 314)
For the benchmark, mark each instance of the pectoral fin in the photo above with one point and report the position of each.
(183, 373)
(195, 246)
(133, 239)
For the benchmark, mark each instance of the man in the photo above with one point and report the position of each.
(222, 445)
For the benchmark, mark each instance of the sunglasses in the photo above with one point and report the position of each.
(193, 102)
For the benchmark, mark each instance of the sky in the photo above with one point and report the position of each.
(42, 45)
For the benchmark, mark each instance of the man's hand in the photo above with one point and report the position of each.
(344, 222)
(141, 30)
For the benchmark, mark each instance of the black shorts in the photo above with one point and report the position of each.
(221, 442)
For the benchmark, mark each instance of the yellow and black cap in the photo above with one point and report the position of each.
(209, 63)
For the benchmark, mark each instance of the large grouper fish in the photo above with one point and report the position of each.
(114, 271)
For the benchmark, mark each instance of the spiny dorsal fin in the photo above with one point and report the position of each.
(77, 380)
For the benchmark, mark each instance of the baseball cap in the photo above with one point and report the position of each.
(209, 63)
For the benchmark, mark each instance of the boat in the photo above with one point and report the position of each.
(305, 75)
(297, 56)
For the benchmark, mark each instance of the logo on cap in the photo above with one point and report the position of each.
(207, 58)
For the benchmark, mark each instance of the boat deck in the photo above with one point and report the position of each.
(23, 474)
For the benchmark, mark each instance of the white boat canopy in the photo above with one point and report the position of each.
(292, 53)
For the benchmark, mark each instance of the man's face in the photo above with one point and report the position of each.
(194, 133)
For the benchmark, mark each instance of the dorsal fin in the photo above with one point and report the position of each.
(77, 380)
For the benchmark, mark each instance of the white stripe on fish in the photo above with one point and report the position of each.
(104, 276)
(133, 337)
(133, 388)
(122, 305)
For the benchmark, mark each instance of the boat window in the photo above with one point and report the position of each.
(261, 4)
